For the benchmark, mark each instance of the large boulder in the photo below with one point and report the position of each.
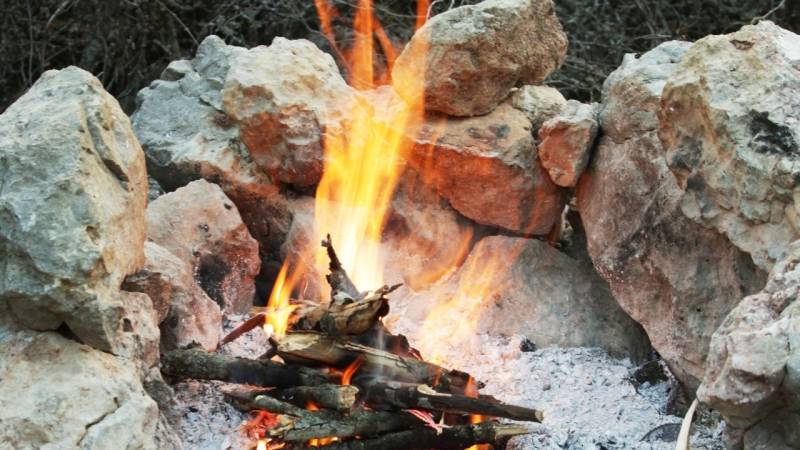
(284, 98)
(567, 141)
(674, 276)
(187, 134)
(487, 168)
(475, 54)
(72, 201)
(753, 370)
(516, 286)
(186, 313)
(729, 123)
(201, 226)
(58, 393)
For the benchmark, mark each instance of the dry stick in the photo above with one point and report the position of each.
(455, 438)
(300, 425)
(341, 285)
(249, 324)
(310, 348)
(326, 396)
(407, 396)
(201, 365)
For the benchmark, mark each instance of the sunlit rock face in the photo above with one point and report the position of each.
(676, 277)
(476, 54)
(730, 126)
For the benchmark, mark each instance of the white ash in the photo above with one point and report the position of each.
(207, 421)
(587, 396)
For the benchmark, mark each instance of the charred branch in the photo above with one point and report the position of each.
(342, 288)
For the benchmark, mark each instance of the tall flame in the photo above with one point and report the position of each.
(363, 164)
(279, 308)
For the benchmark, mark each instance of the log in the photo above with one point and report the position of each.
(342, 288)
(327, 396)
(453, 438)
(314, 349)
(351, 317)
(300, 425)
(408, 396)
(201, 365)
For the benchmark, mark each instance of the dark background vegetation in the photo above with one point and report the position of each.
(127, 43)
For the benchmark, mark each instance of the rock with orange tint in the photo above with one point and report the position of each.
(186, 313)
(516, 286)
(487, 168)
(675, 277)
(285, 97)
(187, 135)
(566, 142)
(201, 226)
(477, 53)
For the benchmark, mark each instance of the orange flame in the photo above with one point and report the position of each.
(348, 373)
(363, 164)
(279, 308)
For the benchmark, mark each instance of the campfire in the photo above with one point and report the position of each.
(334, 376)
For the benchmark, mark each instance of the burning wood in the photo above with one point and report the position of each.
(347, 383)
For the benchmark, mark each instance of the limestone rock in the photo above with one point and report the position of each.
(73, 190)
(187, 135)
(753, 369)
(186, 314)
(475, 54)
(539, 103)
(69, 395)
(285, 97)
(509, 286)
(675, 277)
(201, 226)
(567, 141)
(730, 123)
(487, 168)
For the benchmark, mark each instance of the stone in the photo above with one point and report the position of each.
(73, 189)
(675, 277)
(753, 370)
(487, 168)
(475, 54)
(201, 226)
(62, 394)
(285, 97)
(730, 123)
(515, 286)
(566, 142)
(186, 314)
(539, 103)
(187, 135)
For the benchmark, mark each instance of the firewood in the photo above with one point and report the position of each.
(409, 396)
(352, 317)
(249, 324)
(327, 396)
(342, 288)
(299, 425)
(201, 365)
(455, 438)
(314, 349)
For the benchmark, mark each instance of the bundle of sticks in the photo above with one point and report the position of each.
(340, 380)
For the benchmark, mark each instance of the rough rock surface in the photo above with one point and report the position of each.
(200, 225)
(539, 103)
(187, 135)
(730, 123)
(516, 286)
(675, 277)
(186, 314)
(61, 394)
(475, 54)
(285, 97)
(487, 168)
(73, 190)
(753, 368)
(567, 141)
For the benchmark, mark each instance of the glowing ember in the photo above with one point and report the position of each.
(257, 427)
